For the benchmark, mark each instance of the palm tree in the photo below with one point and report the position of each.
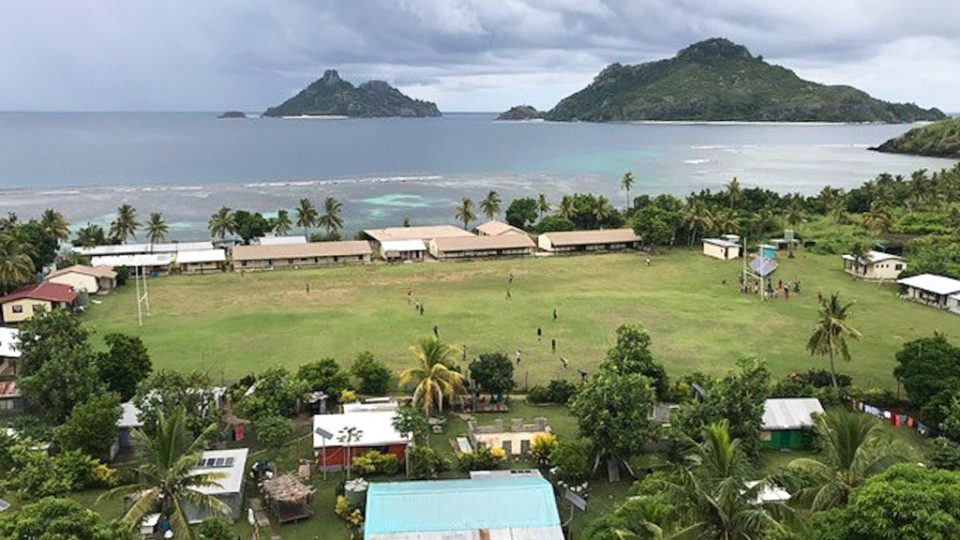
(795, 215)
(222, 223)
(697, 218)
(830, 335)
(434, 375)
(490, 205)
(727, 221)
(16, 266)
(626, 183)
(568, 208)
(878, 217)
(859, 255)
(166, 479)
(464, 212)
(734, 192)
(838, 211)
(854, 447)
(282, 225)
(306, 215)
(90, 235)
(52, 223)
(602, 210)
(156, 229)
(331, 220)
(125, 225)
(543, 205)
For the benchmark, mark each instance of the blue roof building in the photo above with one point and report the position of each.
(522, 508)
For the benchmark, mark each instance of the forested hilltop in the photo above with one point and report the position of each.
(332, 96)
(938, 139)
(718, 80)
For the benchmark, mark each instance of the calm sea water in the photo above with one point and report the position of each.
(188, 164)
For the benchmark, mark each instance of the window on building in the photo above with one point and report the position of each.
(18, 309)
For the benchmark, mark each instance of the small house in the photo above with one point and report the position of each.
(201, 261)
(720, 248)
(476, 247)
(23, 303)
(489, 507)
(876, 265)
(929, 289)
(515, 439)
(129, 420)
(788, 422)
(403, 250)
(89, 279)
(589, 241)
(271, 257)
(231, 464)
(496, 228)
(376, 432)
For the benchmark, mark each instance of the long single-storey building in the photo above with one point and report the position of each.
(720, 248)
(787, 422)
(151, 263)
(929, 289)
(23, 303)
(89, 279)
(495, 507)
(403, 250)
(472, 247)
(139, 249)
(875, 265)
(580, 241)
(496, 228)
(377, 433)
(423, 233)
(273, 257)
(201, 261)
(280, 240)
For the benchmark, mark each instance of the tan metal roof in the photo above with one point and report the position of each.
(496, 228)
(481, 243)
(425, 233)
(95, 271)
(581, 238)
(302, 251)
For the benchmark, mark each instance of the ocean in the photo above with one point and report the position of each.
(186, 165)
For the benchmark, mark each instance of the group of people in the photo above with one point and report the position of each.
(782, 289)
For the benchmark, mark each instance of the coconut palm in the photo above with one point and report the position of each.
(330, 219)
(53, 223)
(830, 335)
(838, 212)
(878, 217)
(734, 192)
(859, 255)
(918, 188)
(568, 208)
(125, 225)
(626, 183)
(16, 266)
(726, 221)
(282, 225)
(697, 219)
(165, 479)
(156, 229)
(543, 205)
(306, 215)
(464, 212)
(222, 223)
(434, 375)
(795, 215)
(602, 210)
(490, 205)
(854, 447)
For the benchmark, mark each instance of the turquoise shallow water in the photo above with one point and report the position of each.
(187, 164)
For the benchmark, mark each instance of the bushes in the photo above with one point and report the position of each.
(572, 461)
(543, 445)
(376, 463)
(374, 376)
(482, 459)
(425, 463)
(272, 431)
(36, 474)
(557, 391)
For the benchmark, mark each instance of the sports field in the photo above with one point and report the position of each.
(232, 324)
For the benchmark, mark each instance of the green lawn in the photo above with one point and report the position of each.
(231, 325)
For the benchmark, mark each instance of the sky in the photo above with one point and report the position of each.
(465, 55)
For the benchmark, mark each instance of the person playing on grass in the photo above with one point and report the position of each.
(436, 331)
(539, 333)
(553, 345)
(518, 356)
(554, 314)
(307, 285)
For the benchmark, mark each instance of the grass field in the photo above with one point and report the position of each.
(232, 324)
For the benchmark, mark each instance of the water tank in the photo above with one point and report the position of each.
(356, 492)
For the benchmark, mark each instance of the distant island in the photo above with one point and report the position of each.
(232, 114)
(332, 96)
(521, 112)
(718, 80)
(939, 139)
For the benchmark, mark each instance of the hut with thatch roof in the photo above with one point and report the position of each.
(288, 498)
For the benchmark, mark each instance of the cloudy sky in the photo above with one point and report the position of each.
(466, 55)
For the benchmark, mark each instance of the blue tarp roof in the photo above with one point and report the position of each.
(453, 505)
(763, 266)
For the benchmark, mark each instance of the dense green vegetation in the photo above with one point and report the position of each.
(937, 139)
(332, 96)
(718, 80)
(520, 112)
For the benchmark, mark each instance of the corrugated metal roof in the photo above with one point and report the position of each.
(483, 243)
(582, 238)
(345, 248)
(720, 242)
(790, 413)
(932, 283)
(201, 256)
(376, 428)
(402, 245)
(150, 259)
(425, 233)
(496, 228)
(461, 506)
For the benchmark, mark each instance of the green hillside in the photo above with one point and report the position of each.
(717, 80)
(937, 139)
